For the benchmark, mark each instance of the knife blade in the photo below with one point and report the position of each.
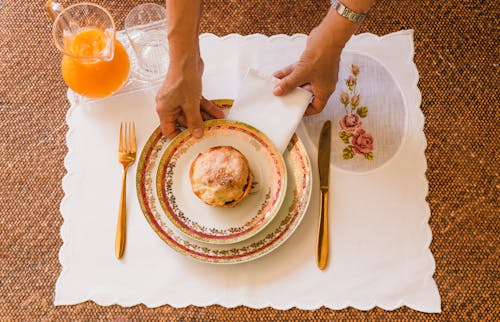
(324, 178)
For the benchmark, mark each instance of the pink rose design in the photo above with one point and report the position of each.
(350, 122)
(355, 100)
(362, 142)
(355, 69)
(350, 82)
(344, 98)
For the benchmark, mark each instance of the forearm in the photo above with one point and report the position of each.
(337, 29)
(183, 28)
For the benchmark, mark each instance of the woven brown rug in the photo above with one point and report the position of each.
(457, 56)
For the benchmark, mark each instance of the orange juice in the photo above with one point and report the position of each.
(94, 78)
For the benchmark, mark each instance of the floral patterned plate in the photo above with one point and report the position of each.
(290, 214)
(221, 225)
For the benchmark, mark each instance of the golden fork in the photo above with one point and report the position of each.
(126, 156)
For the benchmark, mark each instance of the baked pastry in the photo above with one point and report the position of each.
(221, 176)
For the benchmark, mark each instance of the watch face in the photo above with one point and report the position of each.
(353, 16)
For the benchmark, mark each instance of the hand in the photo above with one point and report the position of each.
(179, 99)
(316, 70)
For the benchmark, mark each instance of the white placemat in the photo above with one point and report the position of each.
(378, 215)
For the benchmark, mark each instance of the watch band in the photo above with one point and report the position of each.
(351, 15)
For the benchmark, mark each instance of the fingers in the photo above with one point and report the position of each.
(193, 118)
(167, 115)
(310, 110)
(308, 87)
(168, 126)
(211, 108)
(316, 106)
(284, 72)
(182, 120)
(289, 83)
(205, 116)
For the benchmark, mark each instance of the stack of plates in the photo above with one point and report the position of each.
(259, 224)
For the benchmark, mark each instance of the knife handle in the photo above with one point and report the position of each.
(322, 243)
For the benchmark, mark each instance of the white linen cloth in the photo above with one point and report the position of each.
(379, 232)
(277, 117)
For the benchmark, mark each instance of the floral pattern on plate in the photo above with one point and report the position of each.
(213, 224)
(298, 193)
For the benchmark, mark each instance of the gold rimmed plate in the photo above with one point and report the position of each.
(288, 218)
(213, 224)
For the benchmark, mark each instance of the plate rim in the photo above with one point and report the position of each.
(231, 238)
(182, 249)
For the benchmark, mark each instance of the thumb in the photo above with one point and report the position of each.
(193, 119)
(289, 83)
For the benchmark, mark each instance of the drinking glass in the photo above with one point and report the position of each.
(146, 28)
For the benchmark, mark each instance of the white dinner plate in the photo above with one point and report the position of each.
(214, 224)
(287, 219)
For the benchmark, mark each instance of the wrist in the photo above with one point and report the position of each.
(183, 28)
(336, 29)
(183, 43)
(186, 63)
(183, 51)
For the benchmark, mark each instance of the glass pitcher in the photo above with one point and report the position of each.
(95, 64)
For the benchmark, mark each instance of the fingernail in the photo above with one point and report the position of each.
(198, 133)
(278, 90)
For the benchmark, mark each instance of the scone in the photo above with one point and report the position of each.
(221, 176)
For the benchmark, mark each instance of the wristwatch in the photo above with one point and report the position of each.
(351, 15)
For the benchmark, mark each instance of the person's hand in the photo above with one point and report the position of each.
(316, 70)
(179, 100)
(318, 66)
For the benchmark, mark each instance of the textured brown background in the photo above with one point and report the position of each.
(457, 56)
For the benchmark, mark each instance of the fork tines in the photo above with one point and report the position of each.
(127, 137)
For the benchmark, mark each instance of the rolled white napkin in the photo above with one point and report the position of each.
(275, 116)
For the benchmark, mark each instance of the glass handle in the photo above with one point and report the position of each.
(53, 9)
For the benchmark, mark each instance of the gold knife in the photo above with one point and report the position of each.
(324, 176)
